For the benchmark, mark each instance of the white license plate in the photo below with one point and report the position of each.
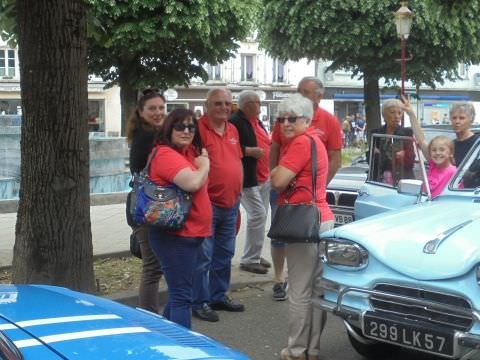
(341, 219)
(408, 335)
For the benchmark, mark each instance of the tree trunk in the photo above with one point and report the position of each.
(128, 94)
(53, 240)
(371, 95)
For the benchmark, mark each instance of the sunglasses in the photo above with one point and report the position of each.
(179, 126)
(152, 91)
(290, 119)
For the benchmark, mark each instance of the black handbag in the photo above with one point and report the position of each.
(299, 222)
(135, 245)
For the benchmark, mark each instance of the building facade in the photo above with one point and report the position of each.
(103, 105)
(273, 80)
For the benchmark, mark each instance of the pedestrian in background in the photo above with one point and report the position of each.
(255, 145)
(179, 160)
(328, 128)
(292, 179)
(346, 128)
(143, 126)
(361, 126)
(220, 138)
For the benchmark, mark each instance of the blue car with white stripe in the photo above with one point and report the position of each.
(48, 322)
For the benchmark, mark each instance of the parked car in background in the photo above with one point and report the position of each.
(46, 322)
(410, 278)
(342, 191)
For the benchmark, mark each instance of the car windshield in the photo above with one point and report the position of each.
(468, 176)
(394, 158)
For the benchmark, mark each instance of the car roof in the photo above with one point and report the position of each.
(38, 317)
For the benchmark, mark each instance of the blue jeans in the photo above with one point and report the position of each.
(212, 276)
(178, 257)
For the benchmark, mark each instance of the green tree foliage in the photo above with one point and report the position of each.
(160, 43)
(139, 43)
(360, 36)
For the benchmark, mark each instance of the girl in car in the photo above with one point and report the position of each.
(439, 152)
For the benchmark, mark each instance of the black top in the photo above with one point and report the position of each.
(247, 137)
(462, 148)
(142, 144)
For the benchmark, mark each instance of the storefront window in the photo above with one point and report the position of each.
(173, 106)
(10, 107)
(96, 115)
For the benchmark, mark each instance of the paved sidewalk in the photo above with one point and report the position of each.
(111, 234)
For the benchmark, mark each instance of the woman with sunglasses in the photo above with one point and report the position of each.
(180, 160)
(292, 179)
(143, 126)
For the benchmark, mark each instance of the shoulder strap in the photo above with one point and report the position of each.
(150, 158)
(313, 151)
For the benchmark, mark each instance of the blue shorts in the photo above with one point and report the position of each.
(273, 206)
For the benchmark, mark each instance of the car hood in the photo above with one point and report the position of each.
(82, 326)
(398, 238)
(348, 178)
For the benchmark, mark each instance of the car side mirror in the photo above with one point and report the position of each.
(410, 187)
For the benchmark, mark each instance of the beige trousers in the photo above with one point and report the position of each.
(305, 322)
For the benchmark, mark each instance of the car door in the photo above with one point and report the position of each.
(392, 159)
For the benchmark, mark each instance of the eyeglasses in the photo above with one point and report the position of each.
(179, 126)
(220, 103)
(290, 119)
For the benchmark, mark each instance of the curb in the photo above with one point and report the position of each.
(239, 280)
(117, 254)
(96, 199)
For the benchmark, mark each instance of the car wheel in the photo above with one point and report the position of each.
(369, 349)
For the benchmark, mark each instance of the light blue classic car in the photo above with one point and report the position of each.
(411, 277)
(45, 322)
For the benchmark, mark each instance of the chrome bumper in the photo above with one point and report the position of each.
(466, 345)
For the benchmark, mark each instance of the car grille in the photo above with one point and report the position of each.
(337, 198)
(453, 318)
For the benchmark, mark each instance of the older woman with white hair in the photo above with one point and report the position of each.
(462, 116)
(292, 179)
(397, 157)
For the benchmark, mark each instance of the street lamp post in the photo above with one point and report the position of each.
(403, 22)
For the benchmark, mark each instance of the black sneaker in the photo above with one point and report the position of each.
(205, 313)
(280, 291)
(256, 268)
(228, 305)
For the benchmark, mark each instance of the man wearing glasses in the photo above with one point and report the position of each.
(212, 276)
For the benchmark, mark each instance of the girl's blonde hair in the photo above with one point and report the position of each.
(447, 141)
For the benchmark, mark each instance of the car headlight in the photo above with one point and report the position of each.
(344, 253)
